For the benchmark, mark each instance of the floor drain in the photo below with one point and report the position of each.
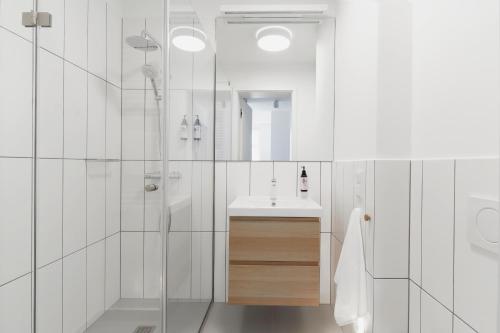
(144, 329)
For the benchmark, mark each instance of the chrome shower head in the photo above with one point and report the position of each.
(144, 42)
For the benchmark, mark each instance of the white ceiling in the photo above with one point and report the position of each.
(236, 45)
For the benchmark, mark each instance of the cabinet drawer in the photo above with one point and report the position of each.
(274, 285)
(257, 239)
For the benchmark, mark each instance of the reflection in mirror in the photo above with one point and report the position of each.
(274, 96)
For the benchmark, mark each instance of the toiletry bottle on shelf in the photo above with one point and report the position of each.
(304, 183)
(184, 129)
(197, 128)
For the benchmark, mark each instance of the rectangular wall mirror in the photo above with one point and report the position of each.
(275, 88)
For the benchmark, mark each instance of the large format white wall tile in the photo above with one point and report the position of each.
(113, 122)
(207, 191)
(96, 129)
(96, 259)
(74, 206)
(16, 102)
(201, 266)
(238, 180)
(476, 272)
(338, 219)
(416, 222)
(370, 210)
(196, 196)
(50, 105)
(220, 200)
(132, 196)
(392, 220)
(49, 309)
(460, 327)
(414, 310)
(15, 218)
(113, 193)
(286, 174)
(96, 201)
(97, 37)
(114, 43)
(153, 203)
(326, 196)
(261, 174)
(152, 127)
(15, 306)
(10, 11)
(435, 317)
(49, 211)
(348, 192)
(220, 267)
(75, 111)
(133, 124)
(437, 229)
(179, 261)
(52, 39)
(324, 269)
(390, 306)
(74, 292)
(152, 265)
(112, 270)
(132, 246)
(75, 32)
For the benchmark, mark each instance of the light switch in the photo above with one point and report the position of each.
(483, 223)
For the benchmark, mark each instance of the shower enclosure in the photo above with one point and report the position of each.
(106, 212)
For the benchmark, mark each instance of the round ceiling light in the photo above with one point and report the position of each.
(274, 38)
(188, 38)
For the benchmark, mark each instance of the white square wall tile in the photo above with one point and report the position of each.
(75, 37)
(49, 211)
(261, 174)
(133, 124)
(113, 192)
(286, 175)
(74, 292)
(132, 254)
(326, 196)
(390, 305)
(74, 205)
(476, 271)
(97, 37)
(96, 201)
(435, 317)
(238, 180)
(75, 111)
(15, 218)
(50, 105)
(220, 200)
(52, 39)
(132, 196)
(112, 270)
(95, 281)
(220, 267)
(324, 269)
(414, 310)
(16, 102)
(49, 298)
(113, 122)
(152, 265)
(416, 221)
(392, 220)
(96, 129)
(15, 306)
(438, 191)
(114, 44)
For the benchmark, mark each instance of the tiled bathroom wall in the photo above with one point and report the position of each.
(234, 178)
(423, 272)
(78, 166)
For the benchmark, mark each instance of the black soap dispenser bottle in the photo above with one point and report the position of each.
(304, 183)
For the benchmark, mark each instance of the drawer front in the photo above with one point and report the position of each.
(274, 240)
(274, 285)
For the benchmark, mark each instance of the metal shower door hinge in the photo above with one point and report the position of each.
(32, 19)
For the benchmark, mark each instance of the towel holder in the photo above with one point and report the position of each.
(367, 218)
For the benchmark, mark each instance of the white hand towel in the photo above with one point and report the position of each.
(351, 302)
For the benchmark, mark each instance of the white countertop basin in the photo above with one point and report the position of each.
(285, 207)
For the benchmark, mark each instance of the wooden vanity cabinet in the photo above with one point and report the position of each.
(274, 261)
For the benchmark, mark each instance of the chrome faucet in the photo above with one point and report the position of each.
(272, 195)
